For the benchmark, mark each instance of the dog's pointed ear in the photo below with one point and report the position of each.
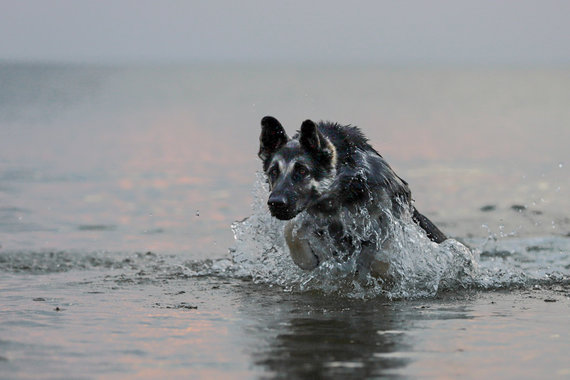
(310, 138)
(272, 137)
(318, 146)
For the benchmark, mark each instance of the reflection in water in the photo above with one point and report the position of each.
(467, 334)
(312, 336)
(313, 348)
(318, 337)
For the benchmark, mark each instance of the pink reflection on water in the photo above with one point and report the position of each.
(148, 164)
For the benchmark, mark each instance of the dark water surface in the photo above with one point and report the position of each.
(118, 186)
(81, 325)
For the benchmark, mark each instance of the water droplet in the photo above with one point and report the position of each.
(560, 165)
(197, 212)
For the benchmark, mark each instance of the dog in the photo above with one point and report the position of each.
(328, 171)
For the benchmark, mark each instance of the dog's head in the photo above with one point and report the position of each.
(298, 169)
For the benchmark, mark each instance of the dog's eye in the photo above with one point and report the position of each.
(273, 173)
(300, 172)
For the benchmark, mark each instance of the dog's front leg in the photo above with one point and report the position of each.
(368, 262)
(299, 248)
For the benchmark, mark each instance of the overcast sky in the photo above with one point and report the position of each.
(486, 32)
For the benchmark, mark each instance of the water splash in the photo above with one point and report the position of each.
(416, 267)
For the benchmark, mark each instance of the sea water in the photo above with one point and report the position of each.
(135, 241)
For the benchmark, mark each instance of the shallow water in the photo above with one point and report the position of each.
(118, 187)
(121, 323)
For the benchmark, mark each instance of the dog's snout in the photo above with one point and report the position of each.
(277, 201)
(281, 206)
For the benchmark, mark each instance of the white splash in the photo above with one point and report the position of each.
(417, 267)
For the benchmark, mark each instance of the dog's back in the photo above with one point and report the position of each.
(364, 173)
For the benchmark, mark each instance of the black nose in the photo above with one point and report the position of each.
(277, 201)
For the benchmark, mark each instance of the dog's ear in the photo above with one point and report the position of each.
(310, 138)
(272, 137)
(316, 144)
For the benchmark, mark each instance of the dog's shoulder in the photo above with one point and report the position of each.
(360, 168)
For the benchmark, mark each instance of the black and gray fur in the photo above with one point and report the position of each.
(326, 167)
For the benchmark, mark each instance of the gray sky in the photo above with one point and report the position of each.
(487, 32)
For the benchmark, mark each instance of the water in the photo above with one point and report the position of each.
(121, 190)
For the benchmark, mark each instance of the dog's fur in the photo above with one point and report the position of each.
(326, 168)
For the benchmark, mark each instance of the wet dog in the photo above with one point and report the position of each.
(328, 170)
